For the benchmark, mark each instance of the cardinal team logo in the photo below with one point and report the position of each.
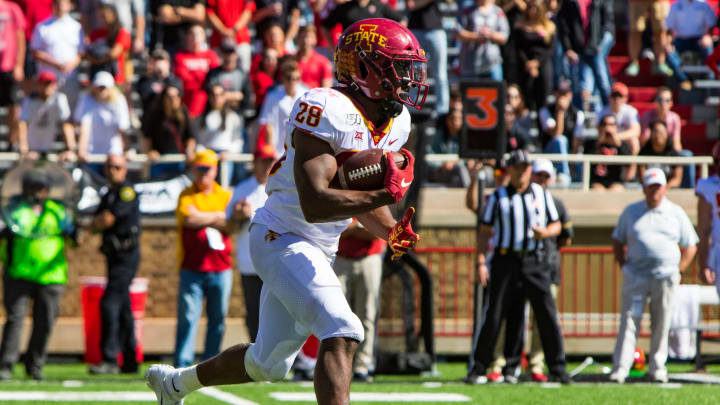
(366, 37)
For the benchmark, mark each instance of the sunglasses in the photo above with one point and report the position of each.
(664, 100)
(608, 124)
(616, 95)
(114, 167)
(202, 169)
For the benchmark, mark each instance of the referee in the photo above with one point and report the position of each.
(518, 216)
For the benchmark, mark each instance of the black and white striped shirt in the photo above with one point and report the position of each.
(513, 216)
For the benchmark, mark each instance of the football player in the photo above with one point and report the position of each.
(708, 192)
(294, 237)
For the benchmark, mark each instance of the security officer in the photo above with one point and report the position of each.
(118, 218)
(519, 217)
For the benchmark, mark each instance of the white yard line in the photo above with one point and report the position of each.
(393, 397)
(225, 397)
(99, 396)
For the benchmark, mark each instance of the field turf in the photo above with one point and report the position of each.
(70, 379)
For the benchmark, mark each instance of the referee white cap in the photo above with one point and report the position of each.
(543, 165)
(654, 176)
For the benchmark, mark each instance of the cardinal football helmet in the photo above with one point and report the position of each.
(384, 60)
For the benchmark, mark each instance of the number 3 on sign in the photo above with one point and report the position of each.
(309, 115)
(485, 105)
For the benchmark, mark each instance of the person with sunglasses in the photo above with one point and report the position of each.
(604, 176)
(118, 218)
(663, 112)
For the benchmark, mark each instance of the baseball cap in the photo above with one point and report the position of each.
(160, 54)
(543, 165)
(620, 87)
(46, 77)
(263, 150)
(205, 158)
(654, 176)
(227, 45)
(518, 157)
(103, 79)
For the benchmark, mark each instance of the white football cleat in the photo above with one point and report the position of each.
(158, 378)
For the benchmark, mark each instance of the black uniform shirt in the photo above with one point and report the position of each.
(123, 203)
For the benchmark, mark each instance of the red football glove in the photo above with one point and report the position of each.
(401, 237)
(397, 181)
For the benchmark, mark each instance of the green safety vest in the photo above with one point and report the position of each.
(39, 258)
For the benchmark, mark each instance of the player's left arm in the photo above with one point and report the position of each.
(399, 234)
(314, 168)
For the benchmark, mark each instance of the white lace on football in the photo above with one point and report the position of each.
(364, 172)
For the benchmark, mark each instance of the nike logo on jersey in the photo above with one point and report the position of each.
(403, 183)
(392, 142)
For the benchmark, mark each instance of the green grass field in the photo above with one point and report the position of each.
(72, 379)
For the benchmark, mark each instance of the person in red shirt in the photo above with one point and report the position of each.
(229, 18)
(192, 66)
(12, 60)
(264, 77)
(110, 46)
(274, 38)
(34, 11)
(315, 69)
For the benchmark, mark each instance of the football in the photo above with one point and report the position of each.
(365, 170)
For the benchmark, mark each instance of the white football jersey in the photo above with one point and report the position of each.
(333, 117)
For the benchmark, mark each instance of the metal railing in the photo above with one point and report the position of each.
(586, 160)
(139, 161)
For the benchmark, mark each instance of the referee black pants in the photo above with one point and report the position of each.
(514, 280)
(118, 323)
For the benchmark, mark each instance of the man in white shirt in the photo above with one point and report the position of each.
(102, 114)
(653, 230)
(43, 112)
(247, 197)
(57, 45)
(278, 104)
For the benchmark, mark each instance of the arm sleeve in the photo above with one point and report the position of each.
(619, 233)
(567, 225)
(123, 114)
(37, 43)
(24, 110)
(63, 107)
(310, 115)
(503, 26)
(688, 236)
(183, 208)
(552, 212)
(233, 200)
(545, 119)
(671, 21)
(579, 122)
(489, 211)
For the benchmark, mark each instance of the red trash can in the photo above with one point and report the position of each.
(91, 293)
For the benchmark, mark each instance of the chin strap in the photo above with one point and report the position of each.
(391, 107)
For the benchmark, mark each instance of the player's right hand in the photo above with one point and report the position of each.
(708, 276)
(397, 181)
(482, 274)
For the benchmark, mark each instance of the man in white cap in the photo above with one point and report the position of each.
(653, 231)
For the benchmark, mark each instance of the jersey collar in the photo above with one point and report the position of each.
(376, 133)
